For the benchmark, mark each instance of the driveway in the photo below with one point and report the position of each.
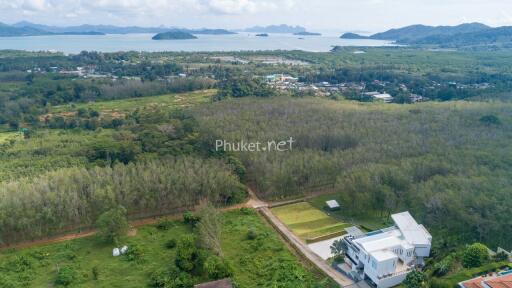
(300, 246)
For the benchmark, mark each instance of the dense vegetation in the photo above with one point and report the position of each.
(71, 198)
(444, 162)
(75, 148)
(259, 261)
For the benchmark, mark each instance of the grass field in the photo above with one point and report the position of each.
(125, 105)
(366, 221)
(7, 136)
(308, 222)
(261, 262)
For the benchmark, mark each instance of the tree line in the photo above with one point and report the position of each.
(70, 198)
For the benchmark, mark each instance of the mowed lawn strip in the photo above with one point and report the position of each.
(307, 221)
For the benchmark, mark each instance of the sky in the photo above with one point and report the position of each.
(316, 15)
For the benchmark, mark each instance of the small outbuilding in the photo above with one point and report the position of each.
(332, 205)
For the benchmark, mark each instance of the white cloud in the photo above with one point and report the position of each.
(246, 6)
(338, 15)
(35, 5)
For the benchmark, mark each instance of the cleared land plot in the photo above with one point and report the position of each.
(124, 105)
(308, 222)
(261, 261)
(367, 221)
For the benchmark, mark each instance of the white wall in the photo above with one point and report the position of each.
(391, 281)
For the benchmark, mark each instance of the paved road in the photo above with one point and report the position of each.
(300, 246)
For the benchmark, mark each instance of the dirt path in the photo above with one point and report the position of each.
(253, 202)
(90, 232)
(298, 244)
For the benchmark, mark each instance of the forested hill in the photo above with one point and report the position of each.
(415, 32)
(500, 35)
(461, 35)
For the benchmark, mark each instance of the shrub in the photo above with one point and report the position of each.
(187, 254)
(170, 244)
(475, 255)
(190, 218)
(490, 120)
(415, 279)
(252, 234)
(112, 224)
(443, 267)
(160, 278)
(217, 268)
(246, 211)
(19, 264)
(164, 225)
(95, 273)
(135, 253)
(66, 276)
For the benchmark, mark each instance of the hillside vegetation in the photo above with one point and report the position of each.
(449, 163)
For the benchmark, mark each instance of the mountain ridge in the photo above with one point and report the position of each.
(463, 35)
(25, 28)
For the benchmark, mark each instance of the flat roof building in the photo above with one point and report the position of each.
(385, 257)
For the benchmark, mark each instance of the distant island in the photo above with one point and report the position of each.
(174, 35)
(305, 33)
(353, 36)
(262, 35)
(283, 28)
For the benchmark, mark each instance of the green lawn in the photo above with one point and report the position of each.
(368, 221)
(261, 262)
(308, 222)
(124, 105)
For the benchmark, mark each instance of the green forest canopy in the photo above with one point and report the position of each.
(439, 160)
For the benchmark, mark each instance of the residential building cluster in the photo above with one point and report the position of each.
(285, 82)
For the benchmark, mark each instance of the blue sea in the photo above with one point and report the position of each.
(72, 44)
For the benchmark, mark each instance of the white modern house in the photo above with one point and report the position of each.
(384, 257)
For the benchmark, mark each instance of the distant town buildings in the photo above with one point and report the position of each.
(286, 82)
